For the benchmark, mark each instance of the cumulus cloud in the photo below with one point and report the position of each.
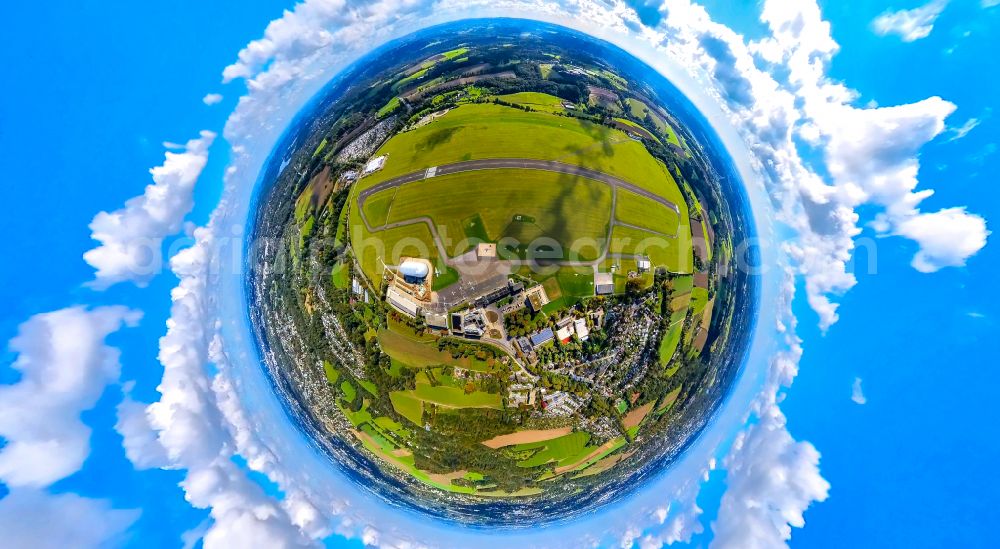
(912, 24)
(34, 519)
(131, 237)
(947, 237)
(65, 366)
(185, 428)
(211, 98)
(857, 395)
(772, 480)
(776, 94)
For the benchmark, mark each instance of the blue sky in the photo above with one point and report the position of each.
(89, 101)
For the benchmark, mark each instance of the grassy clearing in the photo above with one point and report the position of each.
(644, 212)
(493, 131)
(350, 393)
(683, 284)
(545, 69)
(668, 346)
(673, 253)
(408, 406)
(566, 208)
(389, 108)
(447, 277)
(332, 375)
(555, 450)
(320, 147)
(377, 207)
(539, 101)
(453, 397)
(414, 353)
(341, 275)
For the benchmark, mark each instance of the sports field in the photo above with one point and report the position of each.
(565, 208)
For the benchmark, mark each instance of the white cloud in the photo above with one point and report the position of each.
(947, 237)
(34, 519)
(774, 91)
(990, 3)
(912, 24)
(131, 237)
(964, 129)
(857, 395)
(65, 366)
(187, 428)
(211, 98)
(772, 480)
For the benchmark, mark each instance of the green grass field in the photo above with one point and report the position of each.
(453, 397)
(668, 346)
(545, 69)
(414, 353)
(447, 277)
(638, 109)
(566, 208)
(682, 284)
(539, 101)
(350, 393)
(557, 450)
(408, 406)
(673, 253)
(493, 131)
(388, 108)
(377, 207)
(341, 275)
(641, 211)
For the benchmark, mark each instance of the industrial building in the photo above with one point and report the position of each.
(402, 302)
(604, 283)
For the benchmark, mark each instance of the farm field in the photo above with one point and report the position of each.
(673, 253)
(641, 211)
(477, 131)
(565, 208)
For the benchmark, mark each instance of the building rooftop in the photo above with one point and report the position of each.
(542, 337)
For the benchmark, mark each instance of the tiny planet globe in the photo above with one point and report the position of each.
(492, 272)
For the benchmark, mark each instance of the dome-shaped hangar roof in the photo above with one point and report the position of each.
(415, 269)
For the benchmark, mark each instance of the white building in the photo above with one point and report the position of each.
(375, 164)
(581, 329)
(401, 302)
